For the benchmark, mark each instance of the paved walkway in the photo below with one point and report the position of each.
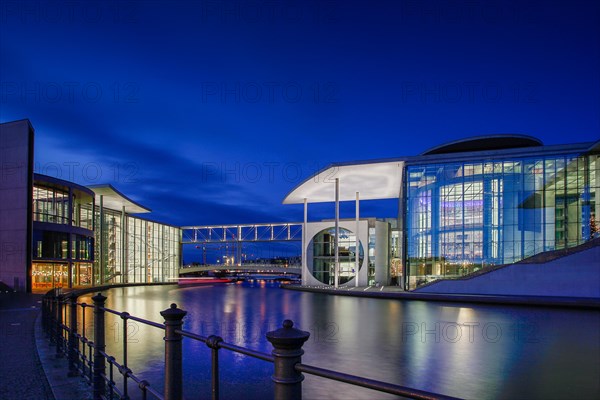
(21, 372)
(56, 369)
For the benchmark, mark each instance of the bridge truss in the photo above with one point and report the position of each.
(268, 232)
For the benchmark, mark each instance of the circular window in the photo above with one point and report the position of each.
(322, 261)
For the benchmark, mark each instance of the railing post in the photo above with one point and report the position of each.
(173, 348)
(287, 343)
(99, 347)
(213, 342)
(51, 315)
(124, 369)
(73, 342)
(58, 326)
(52, 319)
(48, 317)
(45, 313)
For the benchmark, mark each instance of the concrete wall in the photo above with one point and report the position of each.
(16, 180)
(382, 252)
(575, 275)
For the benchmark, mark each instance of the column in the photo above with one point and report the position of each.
(101, 244)
(304, 244)
(337, 233)
(402, 228)
(123, 263)
(596, 190)
(71, 236)
(238, 254)
(357, 243)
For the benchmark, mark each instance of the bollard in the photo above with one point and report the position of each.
(173, 358)
(99, 346)
(287, 343)
(73, 342)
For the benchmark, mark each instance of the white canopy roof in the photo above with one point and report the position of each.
(116, 200)
(376, 180)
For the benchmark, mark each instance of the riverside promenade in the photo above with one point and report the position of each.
(30, 370)
(29, 367)
(22, 373)
(395, 292)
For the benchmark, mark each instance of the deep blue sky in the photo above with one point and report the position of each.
(210, 112)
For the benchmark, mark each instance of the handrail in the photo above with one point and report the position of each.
(229, 346)
(370, 383)
(89, 358)
(248, 352)
(126, 315)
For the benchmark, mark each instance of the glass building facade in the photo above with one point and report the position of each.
(59, 234)
(76, 242)
(465, 216)
(62, 238)
(135, 250)
(465, 206)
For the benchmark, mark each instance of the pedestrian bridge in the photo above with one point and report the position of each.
(269, 232)
(251, 268)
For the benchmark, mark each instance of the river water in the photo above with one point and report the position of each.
(457, 349)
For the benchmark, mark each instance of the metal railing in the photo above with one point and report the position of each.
(89, 359)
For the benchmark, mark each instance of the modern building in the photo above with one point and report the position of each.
(63, 235)
(55, 233)
(462, 207)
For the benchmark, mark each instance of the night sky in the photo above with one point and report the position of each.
(210, 112)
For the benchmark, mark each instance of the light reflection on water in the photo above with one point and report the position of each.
(469, 351)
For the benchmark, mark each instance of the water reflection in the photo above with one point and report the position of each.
(473, 352)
